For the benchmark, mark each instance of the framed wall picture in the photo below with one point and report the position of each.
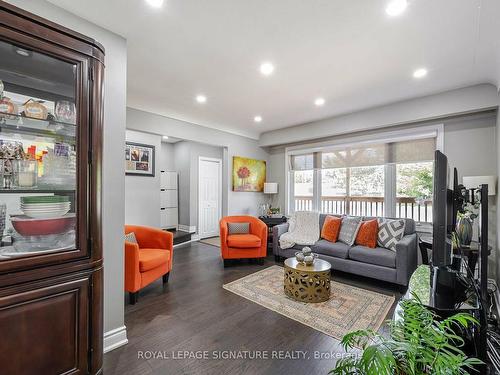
(139, 159)
(248, 174)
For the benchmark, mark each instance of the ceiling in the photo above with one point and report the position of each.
(349, 52)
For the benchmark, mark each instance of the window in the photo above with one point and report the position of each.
(379, 179)
(414, 191)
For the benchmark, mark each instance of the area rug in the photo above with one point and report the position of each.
(214, 241)
(348, 309)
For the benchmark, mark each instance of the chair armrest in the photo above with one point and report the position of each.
(152, 238)
(406, 258)
(132, 274)
(278, 230)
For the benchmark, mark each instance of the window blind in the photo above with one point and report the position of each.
(412, 151)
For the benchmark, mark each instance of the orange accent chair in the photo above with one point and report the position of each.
(148, 260)
(239, 246)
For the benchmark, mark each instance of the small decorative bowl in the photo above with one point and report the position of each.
(299, 256)
(309, 259)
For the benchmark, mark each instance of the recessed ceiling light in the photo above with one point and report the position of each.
(420, 73)
(155, 3)
(257, 119)
(165, 137)
(267, 68)
(201, 98)
(396, 7)
(319, 102)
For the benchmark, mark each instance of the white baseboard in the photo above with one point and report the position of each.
(187, 228)
(115, 338)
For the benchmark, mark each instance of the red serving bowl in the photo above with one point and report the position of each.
(27, 226)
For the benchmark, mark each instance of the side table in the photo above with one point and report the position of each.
(271, 222)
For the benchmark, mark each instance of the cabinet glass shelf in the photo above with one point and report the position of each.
(27, 125)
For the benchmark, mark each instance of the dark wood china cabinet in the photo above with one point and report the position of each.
(51, 275)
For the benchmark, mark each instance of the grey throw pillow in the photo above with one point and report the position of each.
(390, 232)
(349, 229)
(130, 237)
(238, 228)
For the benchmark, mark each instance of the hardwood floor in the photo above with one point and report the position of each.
(193, 313)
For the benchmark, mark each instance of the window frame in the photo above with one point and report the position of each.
(428, 131)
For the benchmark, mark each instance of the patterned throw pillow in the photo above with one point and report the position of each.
(367, 234)
(349, 229)
(390, 233)
(238, 228)
(130, 237)
(331, 228)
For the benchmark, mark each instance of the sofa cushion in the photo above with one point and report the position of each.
(238, 228)
(349, 229)
(367, 234)
(152, 258)
(243, 241)
(378, 256)
(331, 228)
(390, 232)
(334, 249)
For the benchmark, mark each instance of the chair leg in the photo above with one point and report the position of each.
(133, 297)
(165, 277)
(226, 263)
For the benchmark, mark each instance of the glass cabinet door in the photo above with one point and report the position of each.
(39, 127)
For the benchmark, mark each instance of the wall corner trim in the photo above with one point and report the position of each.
(115, 338)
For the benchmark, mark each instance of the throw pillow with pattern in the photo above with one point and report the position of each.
(130, 237)
(390, 233)
(349, 229)
(238, 228)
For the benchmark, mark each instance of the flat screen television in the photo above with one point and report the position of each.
(443, 212)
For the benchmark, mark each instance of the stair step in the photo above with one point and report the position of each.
(180, 236)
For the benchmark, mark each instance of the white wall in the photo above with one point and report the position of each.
(167, 157)
(237, 202)
(142, 194)
(113, 187)
(451, 103)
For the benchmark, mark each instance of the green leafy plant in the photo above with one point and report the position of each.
(418, 343)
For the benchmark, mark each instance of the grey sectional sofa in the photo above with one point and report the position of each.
(379, 263)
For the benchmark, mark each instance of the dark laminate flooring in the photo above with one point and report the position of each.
(193, 313)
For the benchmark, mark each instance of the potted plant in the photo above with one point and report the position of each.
(418, 343)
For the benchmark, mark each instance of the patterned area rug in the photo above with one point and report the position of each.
(214, 241)
(348, 309)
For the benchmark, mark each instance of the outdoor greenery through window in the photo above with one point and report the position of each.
(385, 179)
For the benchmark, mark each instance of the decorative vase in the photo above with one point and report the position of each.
(464, 231)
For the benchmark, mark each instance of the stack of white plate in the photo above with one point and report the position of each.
(45, 210)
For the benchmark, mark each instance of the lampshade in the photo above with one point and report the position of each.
(475, 181)
(270, 188)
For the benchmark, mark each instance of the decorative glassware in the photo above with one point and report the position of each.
(25, 173)
(66, 111)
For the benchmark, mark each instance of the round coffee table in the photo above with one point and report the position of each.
(307, 283)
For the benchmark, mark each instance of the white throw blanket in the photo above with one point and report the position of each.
(303, 230)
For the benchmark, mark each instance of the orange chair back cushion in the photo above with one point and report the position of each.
(367, 234)
(331, 228)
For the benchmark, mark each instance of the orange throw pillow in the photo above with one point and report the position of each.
(367, 233)
(331, 228)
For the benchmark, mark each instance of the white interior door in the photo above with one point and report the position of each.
(210, 196)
